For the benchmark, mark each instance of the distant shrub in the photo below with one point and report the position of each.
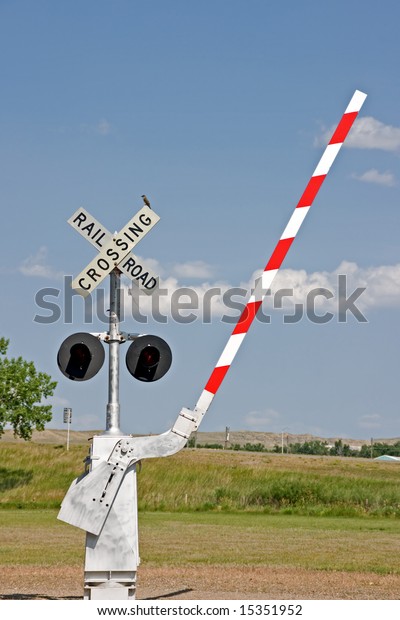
(254, 447)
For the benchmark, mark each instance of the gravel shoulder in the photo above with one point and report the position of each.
(208, 583)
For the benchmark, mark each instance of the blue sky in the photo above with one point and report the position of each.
(219, 112)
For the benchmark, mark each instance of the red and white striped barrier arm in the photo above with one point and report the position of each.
(263, 283)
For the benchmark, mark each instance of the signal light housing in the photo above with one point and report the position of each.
(148, 358)
(80, 356)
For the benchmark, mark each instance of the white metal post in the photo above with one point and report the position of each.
(113, 409)
(112, 557)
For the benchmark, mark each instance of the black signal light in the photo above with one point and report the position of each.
(80, 357)
(148, 358)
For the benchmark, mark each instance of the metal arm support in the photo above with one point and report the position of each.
(90, 497)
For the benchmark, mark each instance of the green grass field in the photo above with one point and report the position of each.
(204, 507)
(37, 476)
(37, 538)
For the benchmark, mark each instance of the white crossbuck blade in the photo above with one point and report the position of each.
(89, 498)
(115, 250)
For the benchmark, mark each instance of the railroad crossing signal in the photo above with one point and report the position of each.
(112, 554)
(80, 356)
(115, 250)
(148, 358)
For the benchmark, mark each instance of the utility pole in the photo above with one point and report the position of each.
(283, 430)
(227, 429)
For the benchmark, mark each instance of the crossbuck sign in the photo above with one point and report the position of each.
(115, 250)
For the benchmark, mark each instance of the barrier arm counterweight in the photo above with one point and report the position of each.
(77, 510)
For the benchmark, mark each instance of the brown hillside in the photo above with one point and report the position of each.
(268, 440)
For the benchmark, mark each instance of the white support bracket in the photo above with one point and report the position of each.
(122, 336)
(90, 497)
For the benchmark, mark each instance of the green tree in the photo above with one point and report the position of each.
(379, 448)
(22, 389)
(310, 447)
(365, 451)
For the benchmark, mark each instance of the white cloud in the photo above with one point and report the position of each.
(193, 269)
(373, 176)
(153, 264)
(205, 301)
(367, 133)
(382, 285)
(36, 266)
(103, 127)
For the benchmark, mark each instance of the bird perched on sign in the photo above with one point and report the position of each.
(146, 201)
